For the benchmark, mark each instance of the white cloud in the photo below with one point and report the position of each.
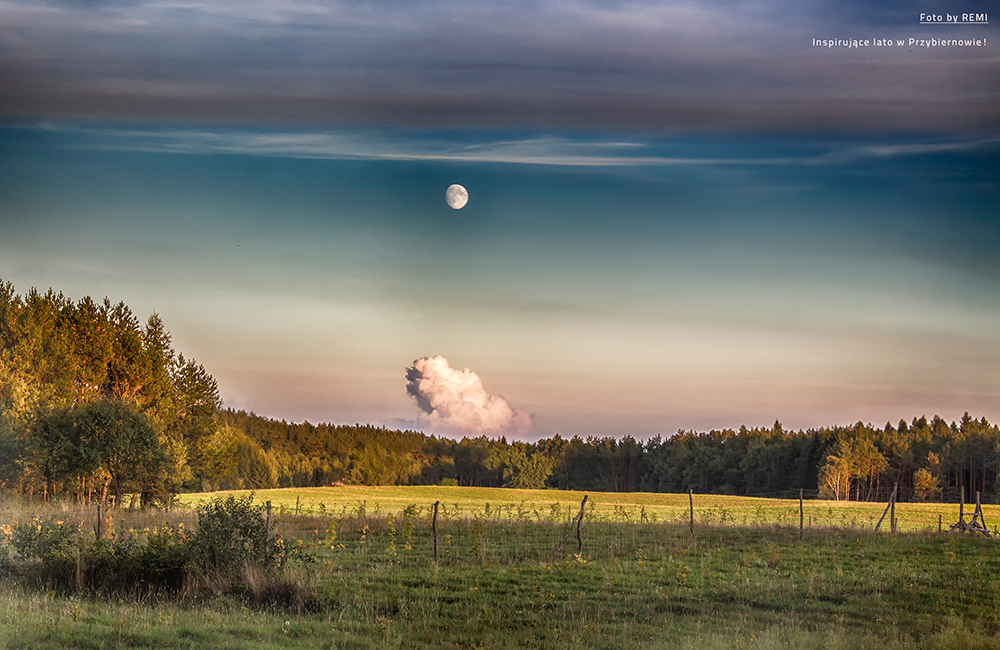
(454, 401)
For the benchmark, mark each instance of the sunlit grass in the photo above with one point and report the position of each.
(716, 510)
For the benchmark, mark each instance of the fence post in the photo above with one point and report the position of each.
(891, 504)
(892, 511)
(296, 506)
(578, 519)
(434, 524)
(939, 523)
(802, 517)
(268, 518)
(691, 506)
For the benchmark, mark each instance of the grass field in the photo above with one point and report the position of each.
(746, 584)
(716, 510)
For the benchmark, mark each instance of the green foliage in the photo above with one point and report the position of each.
(43, 538)
(232, 532)
(925, 484)
(126, 564)
(49, 547)
(197, 400)
(232, 539)
(62, 360)
(230, 460)
(120, 440)
(522, 466)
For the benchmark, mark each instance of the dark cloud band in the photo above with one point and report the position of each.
(700, 65)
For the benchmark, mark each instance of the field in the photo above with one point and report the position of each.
(715, 510)
(748, 582)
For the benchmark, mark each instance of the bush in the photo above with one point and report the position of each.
(49, 547)
(232, 551)
(126, 565)
(232, 532)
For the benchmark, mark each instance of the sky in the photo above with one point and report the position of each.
(682, 215)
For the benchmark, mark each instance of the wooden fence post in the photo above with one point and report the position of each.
(268, 518)
(892, 512)
(802, 518)
(434, 524)
(296, 506)
(578, 519)
(939, 523)
(888, 506)
(691, 506)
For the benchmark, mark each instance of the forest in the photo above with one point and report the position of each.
(97, 405)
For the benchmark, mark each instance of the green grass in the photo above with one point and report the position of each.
(717, 510)
(372, 582)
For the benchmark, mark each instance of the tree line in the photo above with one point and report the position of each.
(95, 405)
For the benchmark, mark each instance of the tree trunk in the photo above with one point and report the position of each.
(104, 490)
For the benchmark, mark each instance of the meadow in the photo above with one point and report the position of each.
(366, 578)
(625, 507)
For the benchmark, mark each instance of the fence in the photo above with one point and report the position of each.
(506, 533)
(515, 533)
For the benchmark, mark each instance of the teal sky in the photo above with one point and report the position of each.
(682, 213)
(606, 283)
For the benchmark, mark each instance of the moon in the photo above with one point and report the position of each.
(456, 196)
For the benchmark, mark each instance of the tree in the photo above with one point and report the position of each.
(52, 452)
(196, 397)
(521, 469)
(122, 442)
(925, 484)
(836, 474)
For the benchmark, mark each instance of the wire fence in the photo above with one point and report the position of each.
(367, 534)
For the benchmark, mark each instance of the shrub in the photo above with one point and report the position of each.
(232, 551)
(232, 532)
(126, 565)
(49, 547)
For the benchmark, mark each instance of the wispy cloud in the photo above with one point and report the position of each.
(553, 151)
(849, 154)
(543, 149)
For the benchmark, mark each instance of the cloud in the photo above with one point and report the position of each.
(454, 401)
(441, 63)
(368, 144)
(544, 150)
